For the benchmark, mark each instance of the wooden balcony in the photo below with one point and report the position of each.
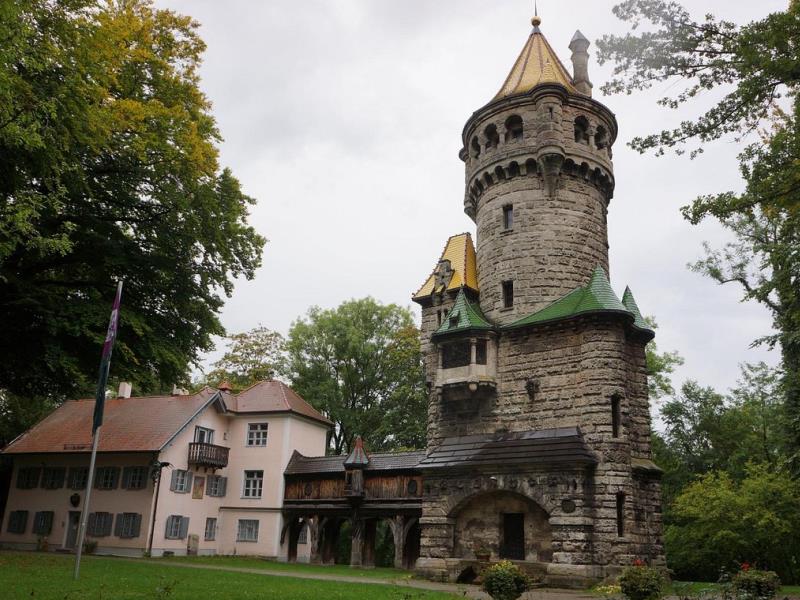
(208, 455)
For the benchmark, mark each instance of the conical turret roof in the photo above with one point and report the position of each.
(537, 64)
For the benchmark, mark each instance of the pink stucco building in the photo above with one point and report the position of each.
(221, 488)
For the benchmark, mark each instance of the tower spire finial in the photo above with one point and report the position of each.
(536, 20)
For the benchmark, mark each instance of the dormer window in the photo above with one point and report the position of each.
(454, 321)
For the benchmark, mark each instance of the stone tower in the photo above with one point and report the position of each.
(538, 423)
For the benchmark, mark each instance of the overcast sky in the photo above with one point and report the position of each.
(343, 119)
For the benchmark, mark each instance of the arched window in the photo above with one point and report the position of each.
(499, 173)
(513, 169)
(492, 137)
(513, 128)
(601, 138)
(476, 147)
(582, 130)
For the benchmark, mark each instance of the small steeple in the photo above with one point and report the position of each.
(537, 64)
(358, 458)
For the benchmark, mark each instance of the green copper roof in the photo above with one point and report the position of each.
(464, 316)
(630, 304)
(596, 296)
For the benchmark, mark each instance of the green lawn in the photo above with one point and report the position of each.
(250, 562)
(698, 587)
(49, 577)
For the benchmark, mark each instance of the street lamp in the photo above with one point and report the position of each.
(155, 473)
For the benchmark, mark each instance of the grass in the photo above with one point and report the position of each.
(49, 577)
(251, 562)
(698, 587)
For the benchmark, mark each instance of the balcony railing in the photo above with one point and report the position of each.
(208, 455)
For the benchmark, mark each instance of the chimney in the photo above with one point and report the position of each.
(580, 63)
(124, 390)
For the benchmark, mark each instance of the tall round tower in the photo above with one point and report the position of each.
(538, 181)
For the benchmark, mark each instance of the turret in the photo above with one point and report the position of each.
(538, 181)
(580, 63)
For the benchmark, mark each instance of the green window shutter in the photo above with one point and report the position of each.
(108, 521)
(189, 477)
(173, 484)
(60, 476)
(114, 477)
(48, 522)
(184, 528)
(126, 478)
(91, 524)
(137, 525)
(98, 476)
(118, 524)
(222, 488)
(167, 528)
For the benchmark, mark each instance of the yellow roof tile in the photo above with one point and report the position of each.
(460, 252)
(537, 64)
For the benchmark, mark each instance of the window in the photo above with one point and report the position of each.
(28, 478)
(253, 483)
(257, 434)
(43, 522)
(177, 527)
(106, 478)
(203, 435)
(53, 478)
(480, 352)
(439, 317)
(181, 481)
(582, 130)
(492, 137)
(302, 537)
(17, 521)
(601, 138)
(513, 128)
(620, 514)
(99, 524)
(134, 478)
(508, 216)
(508, 294)
(456, 354)
(216, 486)
(77, 478)
(128, 525)
(248, 530)
(615, 415)
(476, 147)
(211, 529)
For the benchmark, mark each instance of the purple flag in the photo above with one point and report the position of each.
(105, 361)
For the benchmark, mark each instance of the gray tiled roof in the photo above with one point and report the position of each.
(393, 461)
(546, 446)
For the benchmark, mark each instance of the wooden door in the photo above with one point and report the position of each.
(513, 546)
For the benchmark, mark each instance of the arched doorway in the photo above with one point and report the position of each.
(503, 524)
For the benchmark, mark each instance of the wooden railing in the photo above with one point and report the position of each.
(208, 455)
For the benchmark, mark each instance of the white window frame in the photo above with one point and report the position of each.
(138, 478)
(247, 530)
(128, 522)
(106, 478)
(257, 434)
(182, 481)
(80, 473)
(210, 534)
(208, 435)
(174, 525)
(253, 484)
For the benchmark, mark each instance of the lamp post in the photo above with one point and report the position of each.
(157, 466)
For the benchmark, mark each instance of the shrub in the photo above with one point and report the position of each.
(89, 546)
(504, 581)
(642, 583)
(757, 584)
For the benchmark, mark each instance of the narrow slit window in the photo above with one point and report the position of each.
(620, 514)
(508, 216)
(480, 352)
(615, 416)
(508, 294)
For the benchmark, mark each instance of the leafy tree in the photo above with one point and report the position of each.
(719, 523)
(660, 367)
(753, 65)
(108, 170)
(252, 356)
(20, 414)
(360, 364)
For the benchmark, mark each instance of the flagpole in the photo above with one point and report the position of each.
(97, 421)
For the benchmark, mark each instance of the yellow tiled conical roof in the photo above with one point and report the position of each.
(537, 64)
(460, 254)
